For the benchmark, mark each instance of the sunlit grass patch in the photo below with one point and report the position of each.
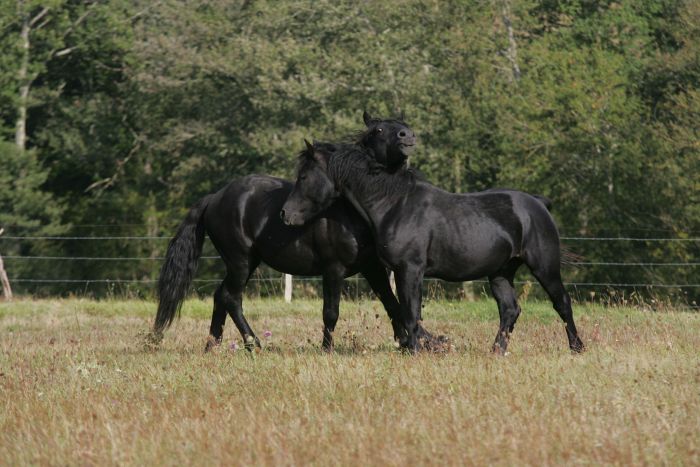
(79, 388)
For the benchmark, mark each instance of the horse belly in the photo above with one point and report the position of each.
(467, 258)
(296, 258)
(324, 245)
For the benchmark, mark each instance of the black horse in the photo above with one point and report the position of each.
(243, 222)
(421, 230)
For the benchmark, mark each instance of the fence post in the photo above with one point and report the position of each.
(468, 291)
(6, 289)
(288, 288)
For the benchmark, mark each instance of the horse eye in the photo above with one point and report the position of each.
(379, 130)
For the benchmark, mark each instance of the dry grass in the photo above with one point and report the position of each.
(79, 389)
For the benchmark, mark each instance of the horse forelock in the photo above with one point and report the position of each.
(306, 156)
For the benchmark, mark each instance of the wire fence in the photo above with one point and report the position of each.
(155, 237)
(161, 258)
(275, 277)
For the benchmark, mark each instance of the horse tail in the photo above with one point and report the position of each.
(569, 257)
(179, 266)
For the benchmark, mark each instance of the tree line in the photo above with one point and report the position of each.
(117, 116)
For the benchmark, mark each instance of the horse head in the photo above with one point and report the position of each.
(313, 191)
(388, 141)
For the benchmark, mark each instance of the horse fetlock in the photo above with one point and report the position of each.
(501, 343)
(398, 327)
(412, 343)
(400, 332)
(327, 343)
(499, 349)
(251, 343)
(212, 342)
(402, 341)
(422, 332)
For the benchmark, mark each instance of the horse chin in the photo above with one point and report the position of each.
(406, 149)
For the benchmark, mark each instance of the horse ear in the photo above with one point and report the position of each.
(321, 156)
(366, 117)
(309, 146)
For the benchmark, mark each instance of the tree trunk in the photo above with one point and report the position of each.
(6, 289)
(21, 125)
(512, 52)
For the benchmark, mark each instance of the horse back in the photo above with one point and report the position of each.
(240, 211)
(474, 234)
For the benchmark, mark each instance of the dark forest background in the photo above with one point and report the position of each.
(116, 116)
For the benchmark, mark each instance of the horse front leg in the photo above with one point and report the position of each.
(332, 285)
(378, 279)
(409, 284)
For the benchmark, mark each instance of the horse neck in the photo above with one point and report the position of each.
(359, 187)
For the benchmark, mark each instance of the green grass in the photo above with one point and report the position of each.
(78, 387)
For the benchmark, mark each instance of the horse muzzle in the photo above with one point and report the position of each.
(291, 218)
(407, 145)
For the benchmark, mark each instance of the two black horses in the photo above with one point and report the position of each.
(420, 230)
(357, 208)
(243, 222)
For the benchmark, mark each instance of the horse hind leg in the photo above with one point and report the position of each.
(549, 276)
(508, 309)
(231, 298)
(228, 298)
(218, 319)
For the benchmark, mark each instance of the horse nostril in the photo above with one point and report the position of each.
(402, 134)
(282, 214)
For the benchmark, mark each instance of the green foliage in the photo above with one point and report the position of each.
(22, 202)
(151, 106)
(25, 207)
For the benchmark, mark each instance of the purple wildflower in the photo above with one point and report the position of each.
(267, 334)
(234, 346)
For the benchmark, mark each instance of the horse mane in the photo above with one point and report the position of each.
(351, 163)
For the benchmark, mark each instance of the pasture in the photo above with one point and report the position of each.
(79, 387)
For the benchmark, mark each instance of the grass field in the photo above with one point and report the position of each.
(79, 388)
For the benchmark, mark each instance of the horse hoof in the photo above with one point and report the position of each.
(405, 347)
(578, 347)
(211, 343)
(252, 343)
